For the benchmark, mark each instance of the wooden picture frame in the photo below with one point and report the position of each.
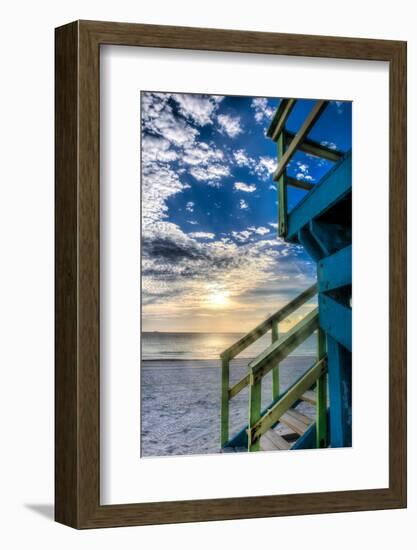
(77, 405)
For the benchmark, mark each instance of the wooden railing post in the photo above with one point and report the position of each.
(255, 403)
(224, 431)
(321, 397)
(282, 191)
(275, 371)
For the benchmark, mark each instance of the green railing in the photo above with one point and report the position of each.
(288, 144)
(268, 361)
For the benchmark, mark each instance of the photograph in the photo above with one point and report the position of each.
(246, 273)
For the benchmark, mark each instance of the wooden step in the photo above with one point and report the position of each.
(286, 432)
(296, 421)
(271, 441)
(309, 397)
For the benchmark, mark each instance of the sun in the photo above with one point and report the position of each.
(218, 299)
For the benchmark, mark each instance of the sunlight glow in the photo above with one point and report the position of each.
(218, 299)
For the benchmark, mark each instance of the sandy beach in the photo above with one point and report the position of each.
(180, 403)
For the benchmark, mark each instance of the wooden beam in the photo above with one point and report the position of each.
(300, 136)
(266, 325)
(333, 187)
(284, 346)
(330, 236)
(335, 271)
(315, 148)
(336, 320)
(321, 396)
(280, 118)
(224, 429)
(238, 387)
(282, 193)
(340, 393)
(284, 117)
(287, 400)
(299, 184)
(275, 370)
(255, 402)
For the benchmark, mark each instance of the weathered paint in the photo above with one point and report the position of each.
(315, 148)
(275, 370)
(255, 399)
(321, 395)
(280, 349)
(282, 193)
(335, 271)
(308, 440)
(331, 236)
(340, 393)
(224, 431)
(336, 320)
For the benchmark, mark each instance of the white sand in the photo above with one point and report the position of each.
(181, 403)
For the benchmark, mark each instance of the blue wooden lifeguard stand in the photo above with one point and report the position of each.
(321, 222)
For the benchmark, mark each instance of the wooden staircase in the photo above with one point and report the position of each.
(290, 427)
(280, 424)
(321, 223)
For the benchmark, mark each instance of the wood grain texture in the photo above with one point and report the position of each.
(66, 236)
(78, 285)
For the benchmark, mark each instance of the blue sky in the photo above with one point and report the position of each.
(211, 258)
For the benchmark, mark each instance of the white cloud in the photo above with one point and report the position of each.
(273, 224)
(159, 183)
(242, 236)
(303, 177)
(265, 167)
(200, 108)
(201, 153)
(157, 149)
(243, 205)
(230, 125)
(262, 109)
(179, 271)
(158, 118)
(260, 230)
(211, 174)
(189, 206)
(329, 144)
(340, 106)
(242, 159)
(245, 187)
(202, 235)
(303, 171)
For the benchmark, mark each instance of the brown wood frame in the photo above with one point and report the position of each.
(77, 274)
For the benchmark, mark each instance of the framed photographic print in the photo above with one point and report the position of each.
(230, 274)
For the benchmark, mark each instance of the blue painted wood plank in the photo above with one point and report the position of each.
(336, 320)
(340, 394)
(335, 271)
(331, 189)
(310, 244)
(308, 439)
(330, 236)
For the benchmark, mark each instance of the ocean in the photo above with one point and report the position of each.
(157, 346)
